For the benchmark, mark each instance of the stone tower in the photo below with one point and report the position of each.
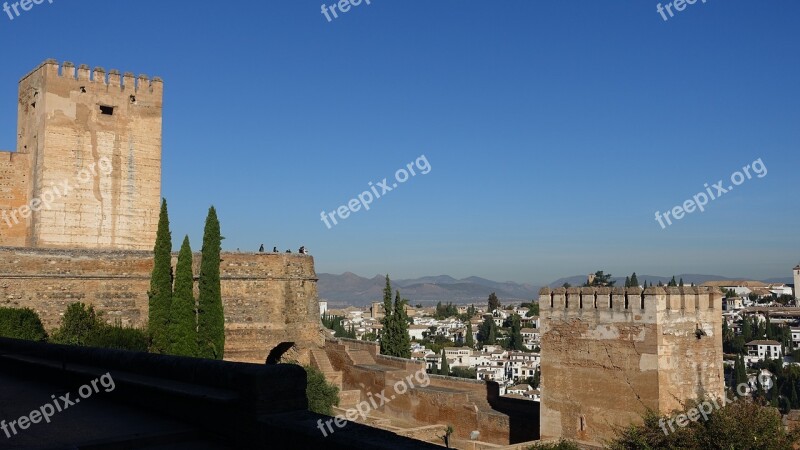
(797, 282)
(87, 170)
(609, 354)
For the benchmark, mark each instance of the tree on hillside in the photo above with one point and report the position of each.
(487, 333)
(600, 279)
(494, 302)
(515, 341)
(210, 315)
(160, 293)
(445, 367)
(183, 314)
(470, 340)
(394, 339)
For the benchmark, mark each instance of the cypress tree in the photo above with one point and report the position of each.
(387, 344)
(445, 369)
(516, 334)
(210, 316)
(634, 280)
(160, 294)
(470, 340)
(183, 314)
(494, 302)
(401, 338)
(492, 338)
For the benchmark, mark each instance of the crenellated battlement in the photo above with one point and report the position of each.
(653, 299)
(99, 78)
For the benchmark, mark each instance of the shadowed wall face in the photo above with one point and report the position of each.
(268, 298)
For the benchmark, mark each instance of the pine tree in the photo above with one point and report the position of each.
(445, 369)
(634, 280)
(470, 340)
(183, 314)
(672, 282)
(628, 282)
(494, 302)
(160, 294)
(210, 315)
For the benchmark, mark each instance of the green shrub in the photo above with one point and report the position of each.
(561, 445)
(119, 338)
(21, 323)
(83, 326)
(322, 396)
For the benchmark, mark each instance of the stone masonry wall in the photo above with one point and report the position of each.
(14, 184)
(93, 142)
(610, 354)
(267, 298)
(459, 402)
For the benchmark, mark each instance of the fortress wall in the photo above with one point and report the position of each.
(690, 363)
(460, 402)
(14, 186)
(267, 298)
(608, 354)
(101, 135)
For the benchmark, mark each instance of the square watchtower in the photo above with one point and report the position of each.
(87, 170)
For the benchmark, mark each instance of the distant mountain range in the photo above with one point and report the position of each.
(351, 289)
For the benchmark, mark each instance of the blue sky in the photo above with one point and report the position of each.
(554, 130)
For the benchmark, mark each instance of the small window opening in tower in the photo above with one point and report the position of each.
(83, 89)
(133, 99)
(33, 104)
(107, 110)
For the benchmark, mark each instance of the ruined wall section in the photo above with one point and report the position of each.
(608, 354)
(82, 120)
(267, 298)
(14, 186)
